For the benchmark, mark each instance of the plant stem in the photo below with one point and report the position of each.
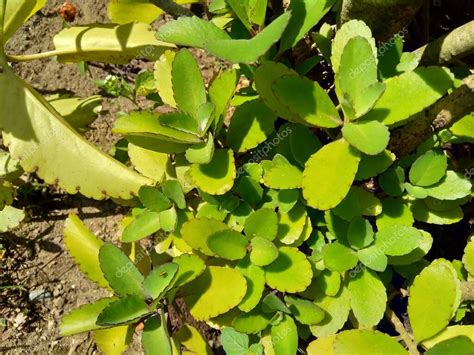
(172, 8)
(405, 336)
(467, 290)
(441, 115)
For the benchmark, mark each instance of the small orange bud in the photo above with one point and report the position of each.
(67, 11)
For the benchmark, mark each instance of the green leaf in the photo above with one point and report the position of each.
(303, 143)
(358, 202)
(249, 50)
(126, 310)
(155, 338)
(154, 165)
(304, 311)
(417, 90)
(208, 296)
(250, 125)
(10, 217)
(221, 90)
(395, 211)
(429, 168)
(287, 335)
(117, 44)
(190, 266)
(173, 190)
(197, 232)
(265, 77)
(160, 279)
(113, 341)
(252, 322)
(429, 315)
(372, 165)
(83, 319)
(337, 310)
(168, 219)
(450, 332)
(255, 278)
(307, 100)
(360, 233)
(191, 32)
(454, 346)
(368, 298)
(180, 121)
(84, 248)
(452, 187)
(328, 282)
(370, 138)
(421, 212)
(468, 257)
(78, 112)
(264, 252)
(17, 12)
(120, 272)
(351, 29)
(142, 226)
(43, 142)
(415, 255)
(324, 184)
(191, 339)
(305, 15)
(233, 342)
(464, 128)
(262, 223)
(291, 272)
(272, 303)
(398, 239)
(322, 345)
(373, 257)
(163, 82)
(392, 181)
(362, 342)
(228, 244)
(291, 225)
(153, 199)
(201, 153)
(188, 84)
(338, 257)
(217, 177)
(282, 175)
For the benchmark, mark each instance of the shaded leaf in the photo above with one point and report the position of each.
(142, 226)
(429, 168)
(370, 138)
(126, 310)
(228, 244)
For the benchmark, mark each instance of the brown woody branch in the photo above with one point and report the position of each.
(441, 115)
(467, 290)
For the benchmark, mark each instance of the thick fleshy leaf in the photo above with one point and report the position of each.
(84, 248)
(255, 278)
(394, 211)
(221, 90)
(180, 121)
(113, 341)
(43, 142)
(358, 202)
(190, 266)
(398, 239)
(17, 12)
(188, 84)
(303, 143)
(120, 272)
(78, 112)
(392, 181)
(304, 311)
(162, 74)
(423, 213)
(155, 337)
(464, 127)
(201, 153)
(262, 223)
(372, 165)
(415, 255)
(362, 342)
(373, 257)
(282, 175)
(250, 125)
(173, 190)
(370, 138)
(322, 345)
(429, 168)
(453, 346)
(117, 44)
(252, 322)
(329, 282)
(287, 343)
(339, 258)
(264, 252)
(10, 217)
(142, 226)
(417, 90)
(168, 220)
(160, 279)
(249, 50)
(368, 298)
(291, 272)
(208, 296)
(233, 342)
(307, 100)
(190, 31)
(450, 332)
(154, 165)
(324, 184)
(153, 199)
(351, 29)
(337, 309)
(468, 257)
(291, 224)
(197, 232)
(228, 244)
(192, 340)
(452, 187)
(83, 319)
(217, 177)
(305, 15)
(360, 233)
(429, 315)
(128, 309)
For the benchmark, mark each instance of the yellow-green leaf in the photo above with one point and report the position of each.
(17, 12)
